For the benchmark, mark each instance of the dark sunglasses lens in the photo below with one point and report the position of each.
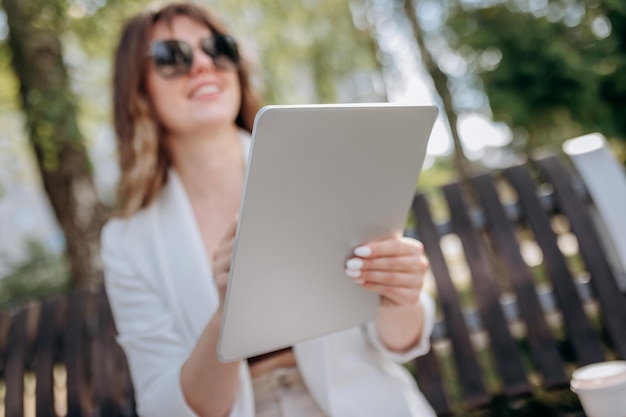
(171, 58)
(223, 49)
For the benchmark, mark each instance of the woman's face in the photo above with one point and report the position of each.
(205, 98)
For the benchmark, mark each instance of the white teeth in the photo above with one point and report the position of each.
(206, 89)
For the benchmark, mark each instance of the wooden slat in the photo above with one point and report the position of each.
(105, 384)
(15, 365)
(32, 325)
(76, 345)
(5, 327)
(61, 326)
(44, 358)
(584, 340)
(128, 406)
(602, 278)
(468, 369)
(428, 376)
(505, 352)
(543, 347)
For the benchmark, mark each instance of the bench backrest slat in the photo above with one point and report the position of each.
(505, 352)
(5, 328)
(543, 346)
(44, 357)
(105, 384)
(466, 362)
(602, 279)
(76, 345)
(428, 375)
(583, 338)
(15, 364)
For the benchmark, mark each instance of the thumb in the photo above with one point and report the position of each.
(232, 230)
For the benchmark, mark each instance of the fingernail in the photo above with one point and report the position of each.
(354, 263)
(359, 281)
(363, 251)
(353, 273)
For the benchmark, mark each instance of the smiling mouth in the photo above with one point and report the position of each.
(205, 89)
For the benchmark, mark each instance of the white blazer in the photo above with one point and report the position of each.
(162, 294)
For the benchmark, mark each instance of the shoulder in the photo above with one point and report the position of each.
(141, 225)
(124, 229)
(128, 238)
(126, 249)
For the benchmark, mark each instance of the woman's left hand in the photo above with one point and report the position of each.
(393, 268)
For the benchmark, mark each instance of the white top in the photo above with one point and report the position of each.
(162, 294)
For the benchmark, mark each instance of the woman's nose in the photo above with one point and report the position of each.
(201, 62)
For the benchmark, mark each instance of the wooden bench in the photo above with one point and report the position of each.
(60, 357)
(491, 234)
(527, 329)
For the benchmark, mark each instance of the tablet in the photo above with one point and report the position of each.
(321, 180)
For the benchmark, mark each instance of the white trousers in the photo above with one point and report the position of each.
(282, 393)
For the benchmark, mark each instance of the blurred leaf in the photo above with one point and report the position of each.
(546, 72)
(42, 274)
(310, 43)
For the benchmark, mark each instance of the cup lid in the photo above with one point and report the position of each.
(600, 376)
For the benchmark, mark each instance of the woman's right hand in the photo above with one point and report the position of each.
(210, 386)
(221, 262)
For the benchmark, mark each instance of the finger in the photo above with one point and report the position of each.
(228, 244)
(390, 247)
(412, 264)
(232, 230)
(228, 239)
(222, 264)
(224, 250)
(395, 264)
(396, 295)
(391, 279)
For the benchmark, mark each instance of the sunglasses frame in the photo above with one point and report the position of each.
(222, 49)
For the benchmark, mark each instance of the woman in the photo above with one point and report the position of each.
(183, 110)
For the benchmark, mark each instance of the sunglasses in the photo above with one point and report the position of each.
(173, 58)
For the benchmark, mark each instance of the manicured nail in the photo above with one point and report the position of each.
(354, 263)
(353, 273)
(359, 281)
(363, 251)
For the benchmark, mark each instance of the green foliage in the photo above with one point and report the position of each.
(8, 82)
(441, 172)
(98, 27)
(315, 39)
(552, 73)
(41, 275)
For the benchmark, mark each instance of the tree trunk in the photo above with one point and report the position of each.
(440, 81)
(50, 109)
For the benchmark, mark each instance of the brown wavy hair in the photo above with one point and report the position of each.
(143, 155)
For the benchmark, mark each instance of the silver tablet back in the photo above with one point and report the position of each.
(321, 180)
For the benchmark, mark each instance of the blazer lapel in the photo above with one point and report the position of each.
(186, 265)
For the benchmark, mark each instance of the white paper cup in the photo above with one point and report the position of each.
(601, 388)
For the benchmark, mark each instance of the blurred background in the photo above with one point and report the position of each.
(509, 76)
